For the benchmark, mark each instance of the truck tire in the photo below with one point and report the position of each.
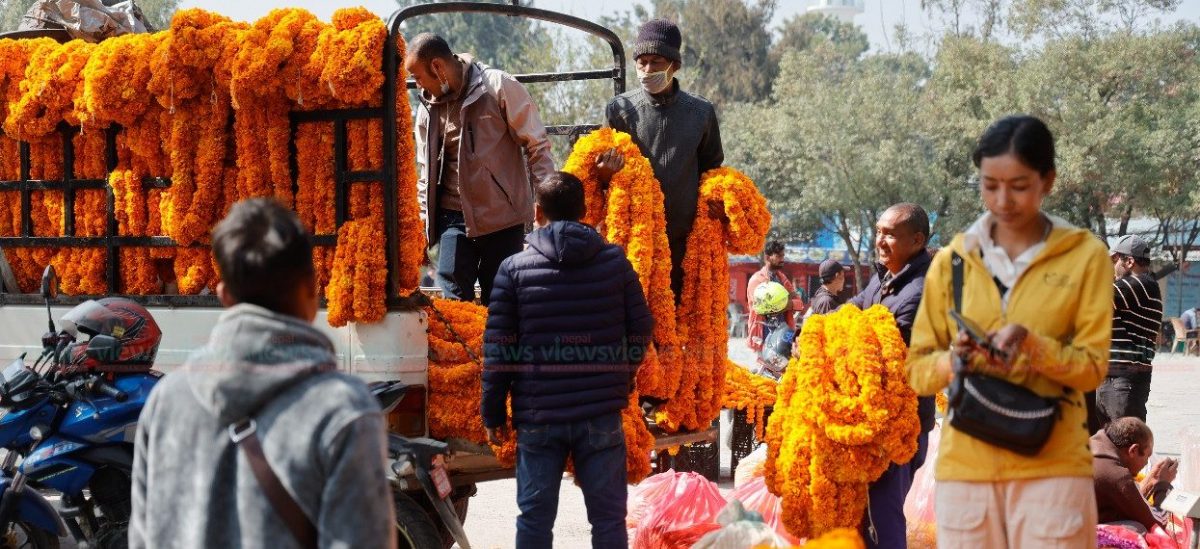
(23, 534)
(415, 529)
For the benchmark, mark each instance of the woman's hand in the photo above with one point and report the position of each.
(1009, 340)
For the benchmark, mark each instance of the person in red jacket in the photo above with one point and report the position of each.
(772, 271)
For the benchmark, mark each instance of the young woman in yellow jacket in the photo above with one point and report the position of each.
(1042, 289)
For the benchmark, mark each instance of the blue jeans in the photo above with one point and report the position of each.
(886, 507)
(597, 447)
(462, 259)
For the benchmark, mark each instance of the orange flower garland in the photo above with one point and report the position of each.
(840, 538)
(844, 412)
(455, 389)
(172, 93)
(750, 393)
(49, 91)
(632, 216)
(702, 324)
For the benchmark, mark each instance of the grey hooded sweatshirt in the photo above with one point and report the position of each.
(321, 431)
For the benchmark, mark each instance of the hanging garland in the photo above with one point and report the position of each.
(172, 94)
(632, 216)
(749, 393)
(844, 413)
(455, 391)
(702, 324)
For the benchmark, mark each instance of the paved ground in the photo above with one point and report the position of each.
(1174, 408)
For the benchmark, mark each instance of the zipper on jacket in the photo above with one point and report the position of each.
(471, 137)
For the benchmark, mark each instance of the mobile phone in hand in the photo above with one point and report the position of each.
(977, 335)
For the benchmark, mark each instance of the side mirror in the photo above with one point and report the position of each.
(104, 348)
(49, 283)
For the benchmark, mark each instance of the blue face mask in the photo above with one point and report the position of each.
(655, 82)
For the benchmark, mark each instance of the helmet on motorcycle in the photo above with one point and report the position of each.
(135, 330)
(769, 298)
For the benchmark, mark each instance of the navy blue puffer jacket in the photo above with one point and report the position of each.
(567, 328)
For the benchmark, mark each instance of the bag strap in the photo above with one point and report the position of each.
(244, 435)
(956, 279)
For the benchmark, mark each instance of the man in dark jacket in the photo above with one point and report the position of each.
(566, 330)
(675, 130)
(1120, 451)
(828, 297)
(902, 233)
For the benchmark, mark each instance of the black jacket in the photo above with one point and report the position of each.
(567, 328)
(902, 295)
(823, 301)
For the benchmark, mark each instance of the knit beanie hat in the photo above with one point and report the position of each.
(658, 37)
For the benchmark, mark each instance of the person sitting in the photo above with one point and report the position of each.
(1119, 452)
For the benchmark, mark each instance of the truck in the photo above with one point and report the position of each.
(393, 349)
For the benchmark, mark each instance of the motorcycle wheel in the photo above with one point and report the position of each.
(415, 529)
(22, 534)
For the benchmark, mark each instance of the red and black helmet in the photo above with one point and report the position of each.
(125, 320)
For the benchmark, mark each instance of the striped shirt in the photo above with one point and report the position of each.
(1137, 319)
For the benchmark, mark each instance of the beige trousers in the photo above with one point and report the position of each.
(1046, 513)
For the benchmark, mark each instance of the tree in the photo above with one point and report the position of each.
(805, 32)
(843, 141)
(158, 12)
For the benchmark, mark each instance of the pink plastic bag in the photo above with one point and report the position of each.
(918, 506)
(755, 496)
(645, 496)
(680, 518)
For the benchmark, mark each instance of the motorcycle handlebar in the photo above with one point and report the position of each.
(104, 388)
(95, 385)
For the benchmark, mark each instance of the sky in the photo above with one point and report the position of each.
(879, 20)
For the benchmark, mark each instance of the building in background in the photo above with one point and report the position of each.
(843, 10)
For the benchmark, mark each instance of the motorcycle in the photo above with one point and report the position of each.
(71, 432)
(417, 467)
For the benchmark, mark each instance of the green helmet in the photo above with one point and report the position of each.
(769, 298)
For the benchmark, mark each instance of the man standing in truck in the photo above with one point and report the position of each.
(478, 138)
(679, 156)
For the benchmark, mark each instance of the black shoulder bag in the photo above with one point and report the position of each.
(994, 410)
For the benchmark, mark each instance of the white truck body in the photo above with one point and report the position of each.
(395, 348)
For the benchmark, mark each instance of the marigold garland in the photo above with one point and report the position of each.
(844, 412)
(455, 389)
(701, 322)
(632, 216)
(839, 538)
(749, 393)
(173, 94)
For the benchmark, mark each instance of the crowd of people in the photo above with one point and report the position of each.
(258, 441)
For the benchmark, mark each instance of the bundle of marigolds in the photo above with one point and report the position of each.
(844, 413)
(630, 213)
(455, 390)
(749, 393)
(172, 96)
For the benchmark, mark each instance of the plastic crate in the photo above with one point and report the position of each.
(699, 457)
(741, 437)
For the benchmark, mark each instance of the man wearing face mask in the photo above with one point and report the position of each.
(478, 136)
(675, 130)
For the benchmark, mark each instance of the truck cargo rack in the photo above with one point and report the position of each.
(344, 178)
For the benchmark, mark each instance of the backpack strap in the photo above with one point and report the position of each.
(244, 435)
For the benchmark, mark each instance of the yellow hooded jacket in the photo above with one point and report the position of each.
(1065, 299)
